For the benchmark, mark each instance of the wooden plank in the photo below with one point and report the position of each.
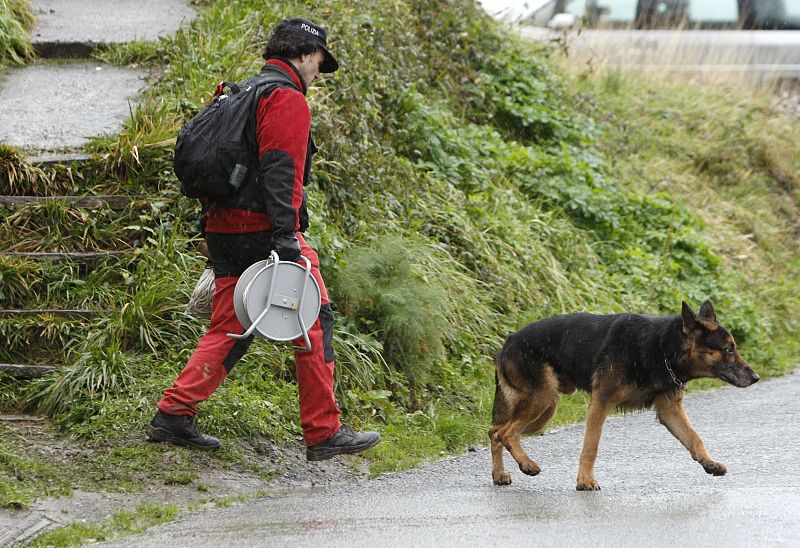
(21, 418)
(70, 256)
(85, 202)
(26, 371)
(72, 314)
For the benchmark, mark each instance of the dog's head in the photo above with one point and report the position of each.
(711, 350)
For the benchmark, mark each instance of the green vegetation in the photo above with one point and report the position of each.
(24, 477)
(16, 19)
(36, 463)
(465, 186)
(121, 523)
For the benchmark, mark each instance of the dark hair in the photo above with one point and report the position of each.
(288, 43)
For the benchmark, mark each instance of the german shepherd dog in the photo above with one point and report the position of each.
(625, 361)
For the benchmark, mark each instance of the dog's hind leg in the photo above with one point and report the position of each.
(672, 414)
(529, 412)
(544, 418)
(499, 474)
(500, 416)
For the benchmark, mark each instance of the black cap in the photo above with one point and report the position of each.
(310, 30)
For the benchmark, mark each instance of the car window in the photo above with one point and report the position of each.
(615, 11)
(775, 13)
(543, 15)
(575, 7)
(715, 11)
(777, 10)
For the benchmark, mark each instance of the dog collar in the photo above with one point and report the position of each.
(680, 384)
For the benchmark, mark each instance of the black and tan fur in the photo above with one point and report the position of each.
(625, 361)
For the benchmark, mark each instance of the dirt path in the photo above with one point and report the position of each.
(213, 483)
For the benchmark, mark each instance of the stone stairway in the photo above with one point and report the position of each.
(56, 103)
(51, 108)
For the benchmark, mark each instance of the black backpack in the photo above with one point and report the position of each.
(216, 149)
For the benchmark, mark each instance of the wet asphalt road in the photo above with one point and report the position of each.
(653, 494)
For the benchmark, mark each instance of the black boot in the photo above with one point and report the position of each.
(343, 442)
(180, 430)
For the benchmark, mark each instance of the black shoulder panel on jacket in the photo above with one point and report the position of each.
(277, 183)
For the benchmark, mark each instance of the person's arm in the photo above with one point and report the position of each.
(282, 128)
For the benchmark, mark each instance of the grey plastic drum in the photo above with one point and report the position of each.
(238, 292)
(282, 321)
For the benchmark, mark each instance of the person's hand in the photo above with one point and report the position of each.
(286, 246)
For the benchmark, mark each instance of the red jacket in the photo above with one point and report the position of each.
(274, 199)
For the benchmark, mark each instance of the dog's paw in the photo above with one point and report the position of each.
(714, 468)
(530, 468)
(588, 485)
(503, 478)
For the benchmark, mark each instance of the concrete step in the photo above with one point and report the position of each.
(78, 257)
(54, 159)
(21, 418)
(116, 203)
(61, 313)
(73, 28)
(25, 371)
(59, 105)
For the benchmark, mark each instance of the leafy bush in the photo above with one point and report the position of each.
(16, 19)
(96, 375)
(464, 187)
(380, 290)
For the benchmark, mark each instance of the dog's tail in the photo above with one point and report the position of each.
(499, 407)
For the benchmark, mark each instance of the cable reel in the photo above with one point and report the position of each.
(277, 300)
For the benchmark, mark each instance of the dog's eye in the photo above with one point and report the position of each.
(730, 350)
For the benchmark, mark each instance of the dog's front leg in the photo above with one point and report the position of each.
(599, 408)
(672, 414)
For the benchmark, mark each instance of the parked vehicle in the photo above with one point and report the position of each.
(666, 14)
(747, 41)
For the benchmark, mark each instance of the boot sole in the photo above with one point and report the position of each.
(160, 435)
(329, 453)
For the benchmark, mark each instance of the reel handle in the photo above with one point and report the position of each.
(254, 325)
(303, 327)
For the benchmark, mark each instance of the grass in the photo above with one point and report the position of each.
(46, 463)
(121, 523)
(24, 477)
(489, 189)
(16, 19)
(733, 168)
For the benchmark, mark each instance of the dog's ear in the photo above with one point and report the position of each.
(690, 321)
(707, 311)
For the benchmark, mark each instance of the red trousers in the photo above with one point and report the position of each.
(216, 354)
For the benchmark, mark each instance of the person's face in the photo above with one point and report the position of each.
(309, 66)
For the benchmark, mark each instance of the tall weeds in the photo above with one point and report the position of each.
(16, 19)
(463, 188)
(380, 290)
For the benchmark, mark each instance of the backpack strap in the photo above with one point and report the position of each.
(273, 74)
(270, 78)
(221, 88)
